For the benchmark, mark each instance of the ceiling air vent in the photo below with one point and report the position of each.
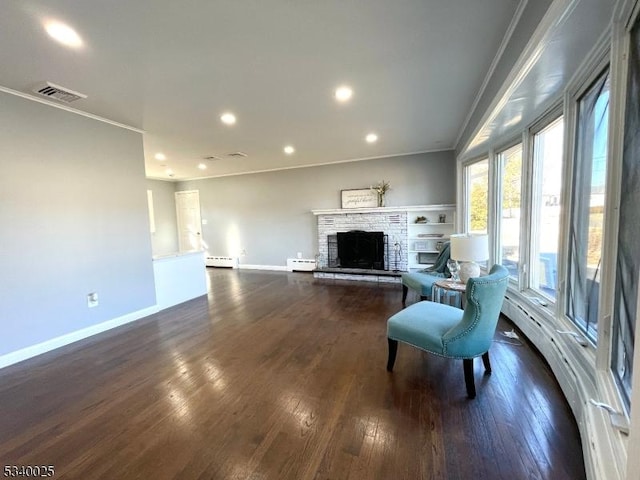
(236, 154)
(211, 158)
(51, 90)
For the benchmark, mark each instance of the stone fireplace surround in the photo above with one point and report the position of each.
(390, 220)
(402, 228)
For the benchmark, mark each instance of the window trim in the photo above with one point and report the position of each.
(624, 19)
(498, 189)
(601, 60)
(597, 70)
(618, 100)
(466, 198)
(550, 116)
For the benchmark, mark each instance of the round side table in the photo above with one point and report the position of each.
(449, 292)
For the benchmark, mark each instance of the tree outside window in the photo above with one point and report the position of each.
(478, 186)
(510, 162)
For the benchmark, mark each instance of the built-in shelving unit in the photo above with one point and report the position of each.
(428, 227)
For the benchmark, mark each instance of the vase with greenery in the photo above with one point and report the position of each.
(381, 189)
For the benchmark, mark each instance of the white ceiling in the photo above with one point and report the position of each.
(171, 68)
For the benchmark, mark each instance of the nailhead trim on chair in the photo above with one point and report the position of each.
(439, 354)
(475, 320)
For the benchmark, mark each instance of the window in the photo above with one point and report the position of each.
(547, 190)
(477, 183)
(511, 187)
(628, 257)
(587, 207)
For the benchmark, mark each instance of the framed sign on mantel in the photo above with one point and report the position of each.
(359, 198)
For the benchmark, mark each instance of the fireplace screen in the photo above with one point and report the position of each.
(358, 249)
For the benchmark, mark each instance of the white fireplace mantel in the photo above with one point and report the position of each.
(347, 211)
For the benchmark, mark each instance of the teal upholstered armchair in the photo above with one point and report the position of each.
(422, 281)
(450, 332)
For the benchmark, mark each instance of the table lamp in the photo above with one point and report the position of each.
(469, 249)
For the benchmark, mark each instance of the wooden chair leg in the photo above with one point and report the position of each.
(487, 364)
(405, 290)
(393, 349)
(467, 364)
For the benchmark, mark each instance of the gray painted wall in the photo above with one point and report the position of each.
(165, 238)
(73, 220)
(268, 215)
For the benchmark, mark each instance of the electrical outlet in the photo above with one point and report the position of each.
(92, 299)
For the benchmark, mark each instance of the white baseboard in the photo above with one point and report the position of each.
(57, 342)
(246, 266)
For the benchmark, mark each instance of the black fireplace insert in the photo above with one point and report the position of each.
(360, 249)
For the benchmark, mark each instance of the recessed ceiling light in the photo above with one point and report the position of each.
(343, 93)
(169, 172)
(289, 150)
(228, 118)
(202, 166)
(371, 138)
(160, 156)
(63, 33)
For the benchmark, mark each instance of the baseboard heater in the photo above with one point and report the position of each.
(222, 262)
(301, 264)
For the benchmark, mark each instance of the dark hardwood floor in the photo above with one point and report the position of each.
(280, 376)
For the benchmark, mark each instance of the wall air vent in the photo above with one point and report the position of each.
(237, 154)
(63, 94)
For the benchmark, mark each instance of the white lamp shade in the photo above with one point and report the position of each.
(469, 247)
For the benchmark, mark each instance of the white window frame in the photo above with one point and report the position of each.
(596, 70)
(466, 194)
(600, 60)
(498, 190)
(627, 16)
(533, 172)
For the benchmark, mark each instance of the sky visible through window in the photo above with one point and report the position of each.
(548, 150)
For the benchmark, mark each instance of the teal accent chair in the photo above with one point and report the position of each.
(450, 332)
(423, 280)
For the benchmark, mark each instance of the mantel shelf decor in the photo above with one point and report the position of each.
(381, 189)
(371, 197)
(359, 198)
